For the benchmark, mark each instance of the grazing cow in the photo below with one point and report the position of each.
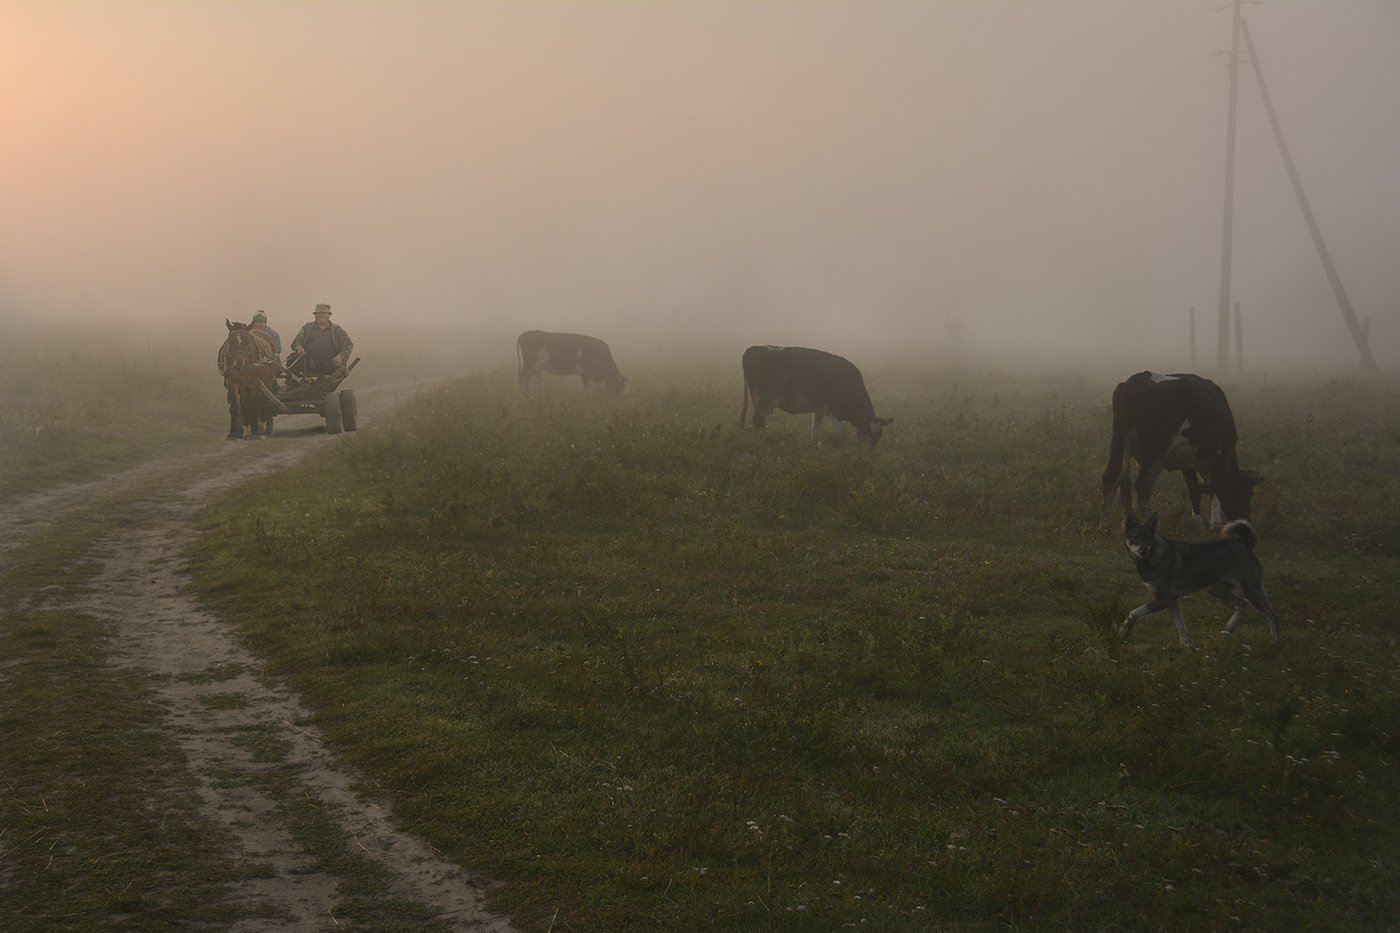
(799, 381)
(1176, 422)
(567, 355)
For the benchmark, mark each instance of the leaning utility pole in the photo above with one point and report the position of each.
(1368, 362)
(1222, 355)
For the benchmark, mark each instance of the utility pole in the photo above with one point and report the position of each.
(1368, 362)
(1222, 354)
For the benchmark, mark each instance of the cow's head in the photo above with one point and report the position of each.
(872, 431)
(1235, 492)
(615, 382)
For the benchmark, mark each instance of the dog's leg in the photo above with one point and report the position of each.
(1234, 616)
(1156, 604)
(1254, 592)
(1226, 593)
(1180, 618)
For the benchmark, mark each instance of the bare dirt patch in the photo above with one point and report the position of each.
(245, 737)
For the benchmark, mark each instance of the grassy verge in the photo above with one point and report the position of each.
(99, 825)
(75, 408)
(656, 673)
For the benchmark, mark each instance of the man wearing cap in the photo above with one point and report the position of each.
(260, 323)
(321, 347)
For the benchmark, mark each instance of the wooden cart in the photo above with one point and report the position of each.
(317, 395)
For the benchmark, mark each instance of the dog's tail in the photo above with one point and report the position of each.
(1240, 530)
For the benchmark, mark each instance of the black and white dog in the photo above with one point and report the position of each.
(1171, 569)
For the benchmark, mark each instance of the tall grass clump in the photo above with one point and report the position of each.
(655, 672)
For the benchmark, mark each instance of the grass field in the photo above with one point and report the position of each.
(654, 672)
(81, 404)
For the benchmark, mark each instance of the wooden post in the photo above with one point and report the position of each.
(1368, 362)
(1222, 353)
(1239, 340)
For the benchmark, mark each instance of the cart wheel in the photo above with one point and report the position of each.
(330, 410)
(347, 409)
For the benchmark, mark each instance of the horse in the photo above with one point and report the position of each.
(247, 359)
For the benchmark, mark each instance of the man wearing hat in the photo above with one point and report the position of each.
(260, 323)
(321, 347)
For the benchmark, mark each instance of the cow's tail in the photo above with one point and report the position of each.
(1240, 530)
(744, 409)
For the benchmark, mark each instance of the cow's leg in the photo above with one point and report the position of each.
(1209, 475)
(530, 371)
(1146, 482)
(1110, 484)
(816, 427)
(1155, 604)
(1123, 480)
(1116, 471)
(1193, 493)
(761, 407)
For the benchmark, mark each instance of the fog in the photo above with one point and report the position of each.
(1011, 181)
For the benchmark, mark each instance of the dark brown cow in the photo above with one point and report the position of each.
(567, 355)
(799, 380)
(1177, 421)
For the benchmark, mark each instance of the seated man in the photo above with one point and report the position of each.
(321, 347)
(260, 323)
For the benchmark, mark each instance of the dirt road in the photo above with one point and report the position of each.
(213, 691)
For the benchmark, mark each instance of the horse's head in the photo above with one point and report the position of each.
(245, 352)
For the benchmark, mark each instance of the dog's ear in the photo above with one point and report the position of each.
(1151, 523)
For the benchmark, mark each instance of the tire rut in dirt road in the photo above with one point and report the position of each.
(246, 738)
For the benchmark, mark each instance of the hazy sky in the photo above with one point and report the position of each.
(1014, 177)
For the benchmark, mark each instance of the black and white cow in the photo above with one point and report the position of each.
(1176, 422)
(567, 355)
(799, 380)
